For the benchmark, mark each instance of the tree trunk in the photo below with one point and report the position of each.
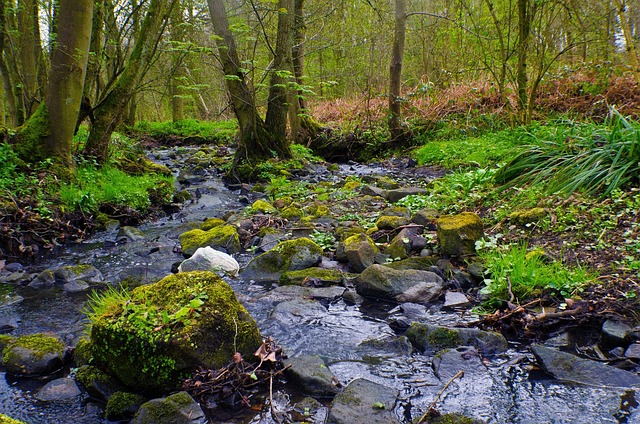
(29, 46)
(524, 28)
(255, 144)
(108, 113)
(49, 131)
(7, 82)
(178, 75)
(281, 76)
(400, 134)
(632, 54)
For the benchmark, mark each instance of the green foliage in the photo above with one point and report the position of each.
(108, 185)
(587, 158)
(220, 132)
(529, 273)
(326, 240)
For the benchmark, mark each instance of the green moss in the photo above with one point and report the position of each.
(87, 375)
(263, 206)
(315, 275)
(458, 233)
(164, 410)
(212, 223)
(398, 249)
(528, 216)
(279, 258)
(292, 212)
(40, 344)
(167, 328)
(5, 419)
(453, 419)
(137, 164)
(29, 138)
(351, 185)
(444, 337)
(397, 211)
(5, 339)
(225, 236)
(343, 233)
(387, 222)
(82, 354)
(318, 210)
(122, 404)
(355, 241)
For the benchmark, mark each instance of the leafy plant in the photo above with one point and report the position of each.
(326, 240)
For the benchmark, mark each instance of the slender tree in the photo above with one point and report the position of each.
(400, 134)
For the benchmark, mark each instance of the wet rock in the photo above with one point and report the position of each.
(385, 346)
(360, 251)
(286, 293)
(454, 419)
(271, 240)
(76, 286)
(615, 333)
(123, 405)
(122, 345)
(209, 259)
(418, 263)
(382, 282)
(461, 280)
(8, 323)
(457, 234)
(224, 237)
(44, 279)
(15, 277)
(59, 390)
(351, 296)
(394, 195)
(633, 351)
(312, 375)
(290, 255)
(98, 384)
(35, 354)
(179, 408)
(430, 338)
(10, 299)
(298, 311)
(455, 300)
(563, 339)
(78, 273)
(313, 277)
(310, 410)
(131, 233)
(364, 401)
(449, 362)
(14, 267)
(568, 367)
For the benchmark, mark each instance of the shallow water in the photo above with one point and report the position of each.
(498, 390)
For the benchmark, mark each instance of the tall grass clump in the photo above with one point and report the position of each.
(586, 158)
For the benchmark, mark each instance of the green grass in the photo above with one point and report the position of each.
(220, 132)
(530, 273)
(108, 185)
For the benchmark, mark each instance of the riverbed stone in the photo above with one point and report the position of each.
(458, 233)
(34, 354)
(210, 223)
(223, 237)
(77, 273)
(400, 193)
(364, 401)
(131, 234)
(123, 405)
(153, 355)
(615, 333)
(567, 367)
(314, 277)
(263, 206)
(382, 282)
(208, 259)
(455, 300)
(430, 338)
(423, 263)
(633, 351)
(179, 408)
(311, 374)
(59, 390)
(425, 217)
(360, 251)
(98, 384)
(391, 222)
(286, 293)
(298, 311)
(289, 255)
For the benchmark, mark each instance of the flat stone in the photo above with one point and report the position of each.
(383, 282)
(400, 193)
(364, 401)
(431, 338)
(633, 351)
(312, 375)
(298, 311)
(455, 300)
(615, 333)
(568, 367)
(75, 286)
(61, 389)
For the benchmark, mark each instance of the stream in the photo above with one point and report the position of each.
(507, 388)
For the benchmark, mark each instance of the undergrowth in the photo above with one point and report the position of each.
(219, 132)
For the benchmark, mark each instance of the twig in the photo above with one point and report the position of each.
(511, 296)
(430, 408)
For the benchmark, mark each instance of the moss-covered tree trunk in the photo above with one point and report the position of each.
(49, 131)
(7, 82)
(524, 29)
(109, 112)
(400, 134)
(256, 144)
(177, 77)
(29, 52)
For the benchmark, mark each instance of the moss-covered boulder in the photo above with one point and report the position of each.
(123, 405)
(179, 408)
(161, 331)
(432, 338)
(360, 251)
(289, 255)
(5, 339)
(527, 216)
(5, 419)
(314, 277)
(364, 401)
(223, 237)
(263, 206)
(382, 282)
(425, 217)
(98, 384)
(292, 212)
(423, 263)
(391, 222)
(35, 354)
(458, 233)
(210, 223)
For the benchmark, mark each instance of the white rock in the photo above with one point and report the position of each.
(209, 259)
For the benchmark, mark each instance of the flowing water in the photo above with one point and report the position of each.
(356, 341)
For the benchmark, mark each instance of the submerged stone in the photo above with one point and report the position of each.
(430, 338)
(364, 401)
(312, 375)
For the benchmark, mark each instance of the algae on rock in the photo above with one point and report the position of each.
(458, 233)
(219, 237)
(289, 255)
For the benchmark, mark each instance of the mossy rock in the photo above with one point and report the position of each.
(148, 354)
(387, 222)
(179, 408)
(425, 217)
(432, 338)
(458, 233)
(343, 233)
(82, 354)
(221, 237)
(396, 211)
(263, 206)
(210, 223)
(398, 249)
(318, 210)
(139, 165)
(123, 405)
(34, 354)
(292, 212)
(360, 251)
(182, 196)
(454, 419)
(351, 185)
(5, 419)
(289, 255)
(99, 384)
(5, 339)
(419, 263)
(313, 276)
(528, 216)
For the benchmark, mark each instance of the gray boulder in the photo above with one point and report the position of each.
(179, 408)
(364, 401)
(312, 375)
(59, 390)
(383, 282)
(568, 367)
(77, 278)
(431, 338)
(34, 354)
(288, 255)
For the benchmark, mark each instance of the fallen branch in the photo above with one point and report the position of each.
(431, 409)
